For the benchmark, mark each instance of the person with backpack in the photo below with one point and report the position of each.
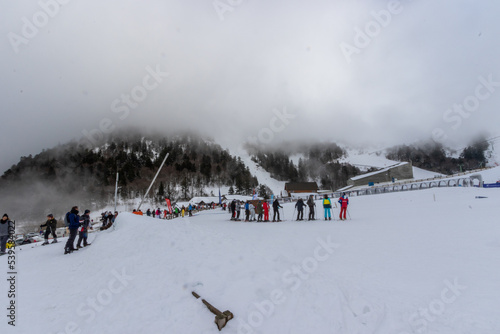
(276, 210)
(83, 230)
(6, 228)
(327, 205)
(344, 202)
(311, 204)
(72, 221)
(300, 209)
(50, 228)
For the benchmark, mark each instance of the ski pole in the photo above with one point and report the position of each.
(348, 213)
(293, 215)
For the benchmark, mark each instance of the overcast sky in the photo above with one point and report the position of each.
(356, 71)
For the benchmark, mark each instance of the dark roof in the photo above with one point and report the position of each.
(301, 186)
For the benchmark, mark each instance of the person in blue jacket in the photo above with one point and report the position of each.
(73, 224)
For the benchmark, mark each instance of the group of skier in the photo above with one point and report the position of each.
(261, 209)
(327, 206)
(77, 225)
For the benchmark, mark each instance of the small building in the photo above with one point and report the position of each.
(400, 171)
(300, 187)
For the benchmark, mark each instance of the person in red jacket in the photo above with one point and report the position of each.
(344, 202)
(265, 206)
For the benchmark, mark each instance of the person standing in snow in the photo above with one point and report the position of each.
(344, 202)
(148, 213)
(265, 206)
(83, 231)
(300, 209)
(276, 210)
(50, 228)
(232, 210)
(311, 204)
(73, 225)
(259, 210)
(327, 205)
(238, 209)
(251, 207)
(247, 211)
(6, 228)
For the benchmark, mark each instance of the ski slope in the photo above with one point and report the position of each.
(413, 262)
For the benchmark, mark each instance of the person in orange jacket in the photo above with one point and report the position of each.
(344, 202)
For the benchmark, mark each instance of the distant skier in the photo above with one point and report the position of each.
(158, 213)
(247, 211)
(83, 230)
(148, 213)
(72, 220)
(344, 202)
(251, 207)
(300, 209)
(50, 228)
(265, 207)
(327, 205)
(238, 210)
(6, 227)
(276, 210)
(232, 210)
(311, 204)
(259, 210)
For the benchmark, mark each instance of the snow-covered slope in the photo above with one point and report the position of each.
(412, 262)
(262, 175)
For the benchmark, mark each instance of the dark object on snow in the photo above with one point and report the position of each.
(481, 197)
(221, 318)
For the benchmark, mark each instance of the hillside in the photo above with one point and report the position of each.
(55, 179)
(421, 261)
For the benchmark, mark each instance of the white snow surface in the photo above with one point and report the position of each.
(411, 262)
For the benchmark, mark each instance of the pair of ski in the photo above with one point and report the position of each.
(50, 243)
(75, 250)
